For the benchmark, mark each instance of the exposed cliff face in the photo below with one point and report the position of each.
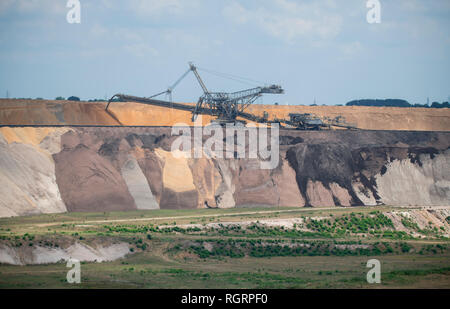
(423, 180)
(370, 168)
(27, 172)
(106, 169)
(396, 175)
(88, 181)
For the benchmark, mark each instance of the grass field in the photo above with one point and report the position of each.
(201, 249)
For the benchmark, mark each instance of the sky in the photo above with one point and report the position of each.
(321, 51)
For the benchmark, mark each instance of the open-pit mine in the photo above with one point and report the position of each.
(103, 185)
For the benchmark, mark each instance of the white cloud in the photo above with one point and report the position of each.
(141, 50)
(159, 7)
(135, 42)
(420, 6)
(288, 20)
(98, 31)
(107, 4)
(351, 49)
(26, 6)
(412, 5)
(125, 34)
(174, 38)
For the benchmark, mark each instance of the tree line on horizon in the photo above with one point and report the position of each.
(395, 103)
(361, 102)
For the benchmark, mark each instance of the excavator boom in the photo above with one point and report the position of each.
(227, 106)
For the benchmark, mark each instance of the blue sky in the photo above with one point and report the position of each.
(323, 49)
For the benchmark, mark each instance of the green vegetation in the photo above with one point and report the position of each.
(352, 223)
(408, 223)
(238, 248)
(210, 248)
(73, 98)
(395, 103)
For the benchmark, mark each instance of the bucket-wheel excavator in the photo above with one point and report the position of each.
(227, 106)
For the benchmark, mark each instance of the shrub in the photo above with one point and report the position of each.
(405, 247)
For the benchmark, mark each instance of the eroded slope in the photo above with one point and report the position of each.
(45, 170)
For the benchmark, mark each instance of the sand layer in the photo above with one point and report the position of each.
(84, 113)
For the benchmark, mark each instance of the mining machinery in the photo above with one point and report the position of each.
(227, 107)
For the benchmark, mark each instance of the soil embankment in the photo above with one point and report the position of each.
(42, 112)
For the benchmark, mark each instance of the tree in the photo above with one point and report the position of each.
(73, 98)
(59, 98)
(440, 105)
(377, 102)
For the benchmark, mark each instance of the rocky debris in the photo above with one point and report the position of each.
(289, 223)
(421, 220)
